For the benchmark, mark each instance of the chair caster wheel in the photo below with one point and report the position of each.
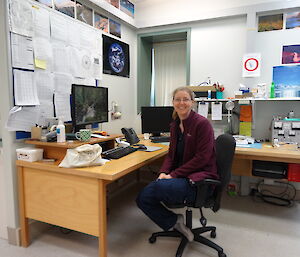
(222, 254)
(203, 221)
(152, 240)
(213, 234)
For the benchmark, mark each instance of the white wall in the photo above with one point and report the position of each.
(217, 47)
(269, 44)
(123, 90)
(178, 11)
(3, 221)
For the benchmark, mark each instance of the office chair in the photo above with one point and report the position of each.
(225, 147)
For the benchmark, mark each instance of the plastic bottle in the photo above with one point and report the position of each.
(61, 132)
(272, 90)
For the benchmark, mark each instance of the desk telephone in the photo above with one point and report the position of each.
(130, 135)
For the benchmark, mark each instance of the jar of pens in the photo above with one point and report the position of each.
(219, 90)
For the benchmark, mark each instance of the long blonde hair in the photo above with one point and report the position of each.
(185, 89)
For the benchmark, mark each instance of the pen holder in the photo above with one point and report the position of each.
(219, 95)
(36, 133)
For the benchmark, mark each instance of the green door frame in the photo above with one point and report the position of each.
(144, 60)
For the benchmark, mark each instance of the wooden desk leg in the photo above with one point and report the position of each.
(23, 220)
(102, 219)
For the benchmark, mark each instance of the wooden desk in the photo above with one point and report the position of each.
(242, 163)
(53, 150)
(73, 198)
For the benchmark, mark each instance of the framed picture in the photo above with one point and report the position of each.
(291, 54)
(127, 7)
(100, 22)
(292, 20)
(115, 57)
(114, 28)
(270, 22)
(65, 6)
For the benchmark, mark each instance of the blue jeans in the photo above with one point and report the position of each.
(167, 191)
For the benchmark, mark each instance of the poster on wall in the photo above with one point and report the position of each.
(100, 22)
(45, 2)
(270, 22)
(115, 3)
(84, 14)
(293, 20)
(287, 80)
(114, 28)
(115, 57)
(127, 7)
(65, 6)
(291, 54)
(251, 65)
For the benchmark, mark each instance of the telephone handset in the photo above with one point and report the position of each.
(130, 135)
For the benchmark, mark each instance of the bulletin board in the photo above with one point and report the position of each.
(50, 51)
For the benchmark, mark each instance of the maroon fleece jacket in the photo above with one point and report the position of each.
(199, 158)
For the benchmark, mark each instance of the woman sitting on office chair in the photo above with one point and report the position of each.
(191, 158)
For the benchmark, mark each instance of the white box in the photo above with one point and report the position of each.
(29, 154)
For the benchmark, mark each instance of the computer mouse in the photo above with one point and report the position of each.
(143, 147)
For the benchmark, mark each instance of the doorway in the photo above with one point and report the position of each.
(151, 75)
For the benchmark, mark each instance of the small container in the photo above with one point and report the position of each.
(209, 94)
(61, 132)
(219, 95)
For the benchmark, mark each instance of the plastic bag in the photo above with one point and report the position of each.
(82, 156)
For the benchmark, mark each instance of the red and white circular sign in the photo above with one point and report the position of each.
(251, 64)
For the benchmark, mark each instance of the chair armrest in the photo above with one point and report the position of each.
(208, 181)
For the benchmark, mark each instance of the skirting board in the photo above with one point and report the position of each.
(36, 228)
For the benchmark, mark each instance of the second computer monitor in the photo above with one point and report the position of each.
(156, 119)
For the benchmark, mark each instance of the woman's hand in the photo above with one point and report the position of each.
(164, 176)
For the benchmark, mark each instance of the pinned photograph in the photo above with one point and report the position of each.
(114, 28)
(293, 20)
(84, 14)
(287, 80)
(291, 54)
(115, 3)
(127, 7)
(270, 22)
(45, 2)
(65, 6)
(101, 22)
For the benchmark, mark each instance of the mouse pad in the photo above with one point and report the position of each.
(151, 148)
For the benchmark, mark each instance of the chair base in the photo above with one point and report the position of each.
(197, 238)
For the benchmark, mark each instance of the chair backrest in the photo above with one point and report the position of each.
(225, 148)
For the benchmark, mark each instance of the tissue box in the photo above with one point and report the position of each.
(29, 154)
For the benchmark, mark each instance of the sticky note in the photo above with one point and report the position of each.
(42, 64)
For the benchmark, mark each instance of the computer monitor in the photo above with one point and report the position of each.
(156, 119)
(89, 105)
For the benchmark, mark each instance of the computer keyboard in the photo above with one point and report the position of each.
(118, 152)
(160, 139)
